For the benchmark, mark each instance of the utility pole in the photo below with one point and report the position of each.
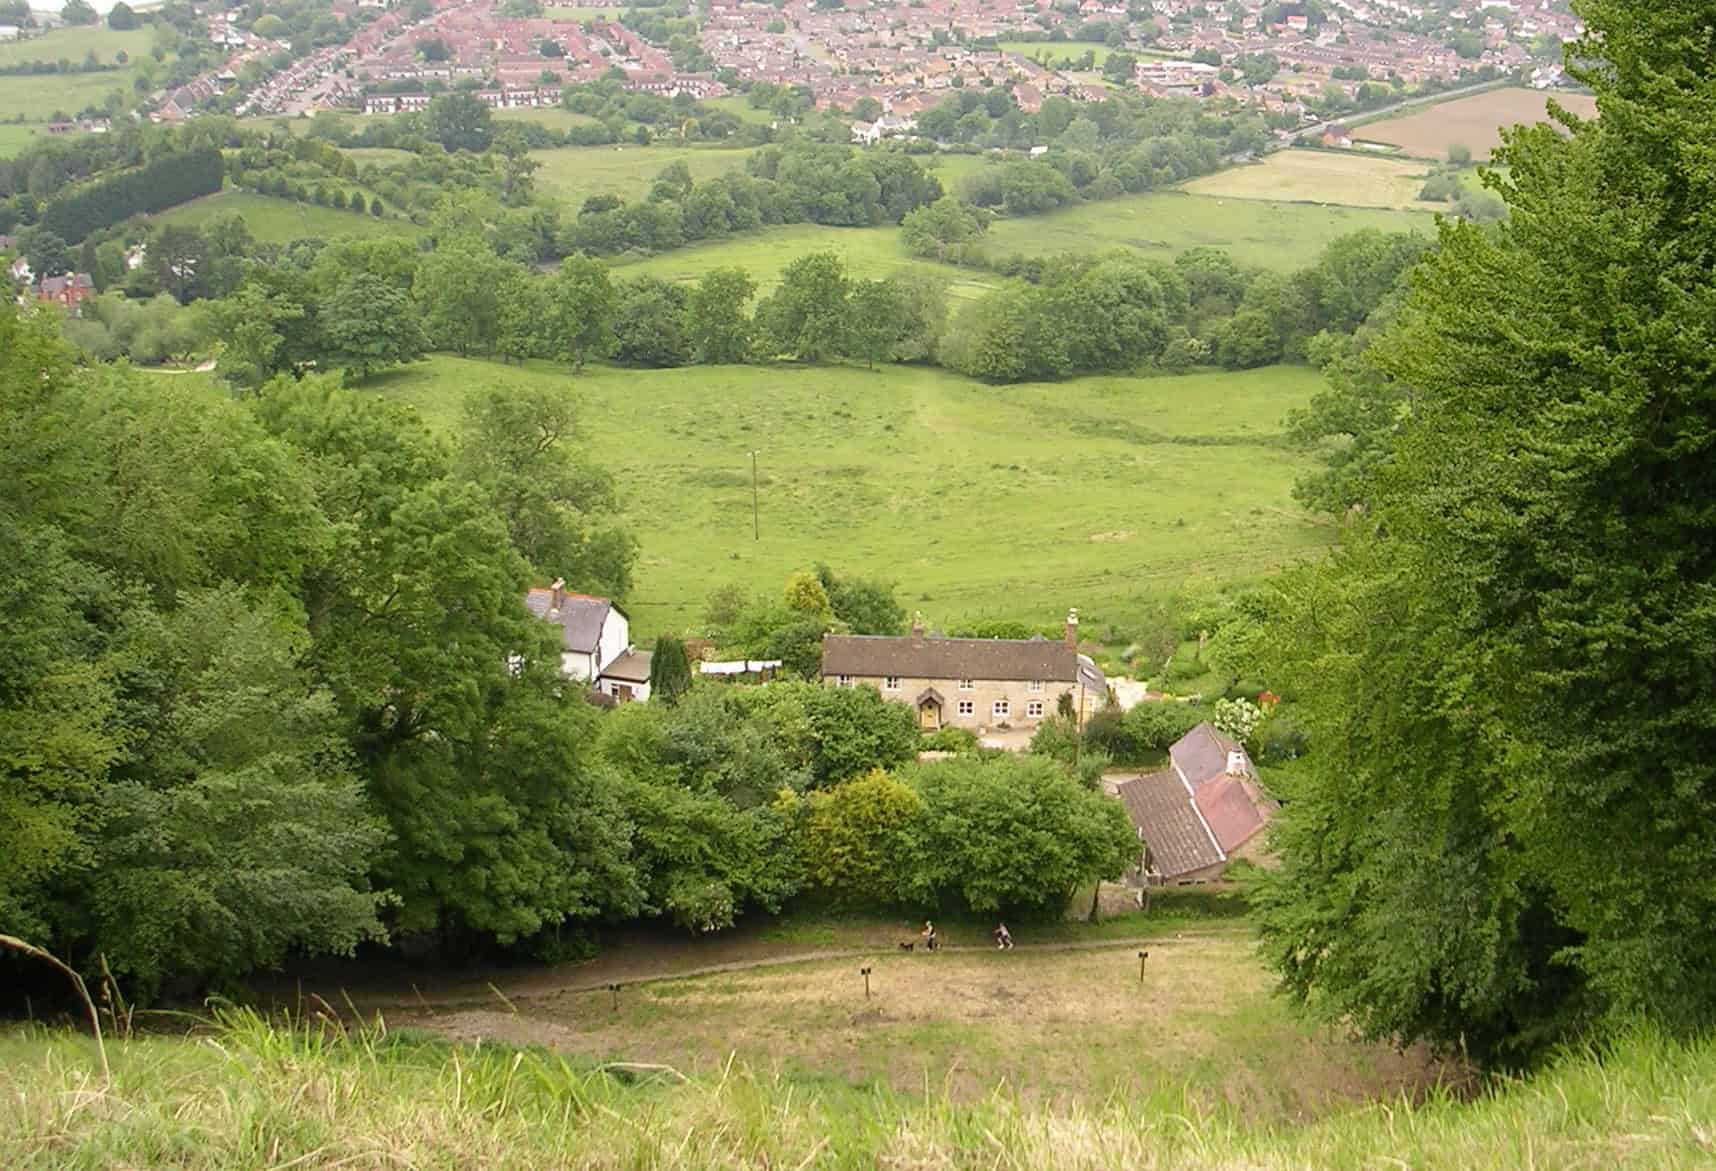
(756, 525)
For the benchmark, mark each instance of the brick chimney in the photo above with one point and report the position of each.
(559, 588)
(1072, 628)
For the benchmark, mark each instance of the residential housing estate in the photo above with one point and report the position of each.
(976, 683)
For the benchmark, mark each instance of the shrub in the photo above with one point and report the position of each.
(951, 739)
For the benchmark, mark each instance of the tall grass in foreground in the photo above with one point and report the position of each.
(249, 1095)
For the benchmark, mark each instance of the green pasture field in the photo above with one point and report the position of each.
(1166, 223)
(1008, 502)
(14, 138)
(577, 172)
(277, 221)
(740, 107)
(384, 156)
(40, 98)
(870, 253)
(1054, 52)
(553, 117)
(73, 43)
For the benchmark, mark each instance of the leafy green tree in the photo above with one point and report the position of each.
(523, 326)
(859, 842)
(947, 230)
(44, 252)
(1015, 833)
(806, 316)
(1502, 834)
(669, 670)
(459, 288)
(121, 17)
(650, 323)
(854, 730)
(370, 325)
(234, 830)
(516, 442)
(875, 321)
(1356, 272)
(458, 121)
(717, 324)
(864, 606)
(581, 310)
(921, 295)
(79, 12)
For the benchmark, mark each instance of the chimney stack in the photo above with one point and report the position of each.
(559, 588)
(1072, 628)
(918, 625)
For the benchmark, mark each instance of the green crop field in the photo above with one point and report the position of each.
(1267, 234)
(870, 253)
(276, 221)
(576, 173)
(976, 500)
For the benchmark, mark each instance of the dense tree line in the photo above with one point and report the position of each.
(158, 184)
(1504, 836)
(802, 183)
(271, 688)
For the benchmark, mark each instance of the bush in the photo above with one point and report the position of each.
(1153, 726)
(951, 739)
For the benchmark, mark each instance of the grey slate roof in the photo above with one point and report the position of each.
(631, 667)
(949, 658)
(1202, 753)
(1160, 807)
(580, 618)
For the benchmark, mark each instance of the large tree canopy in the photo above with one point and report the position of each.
(1507, 829)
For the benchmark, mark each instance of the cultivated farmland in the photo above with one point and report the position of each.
(1306, 176)
(1475, 122)
(1104, 492)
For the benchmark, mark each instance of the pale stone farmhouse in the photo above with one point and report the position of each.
(1201, 812)
(975, 683)
(595, 641)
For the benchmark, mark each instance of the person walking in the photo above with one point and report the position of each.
(930, 942)
(1003, 937)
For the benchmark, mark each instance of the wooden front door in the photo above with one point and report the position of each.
(929, 715)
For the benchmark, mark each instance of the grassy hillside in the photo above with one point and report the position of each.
(39, 97)
(1267, 234)
(279, 220)
(1006, 501)
(254, 1098)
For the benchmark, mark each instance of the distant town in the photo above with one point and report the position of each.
(882, 61)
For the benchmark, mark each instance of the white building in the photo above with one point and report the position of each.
(595, 641)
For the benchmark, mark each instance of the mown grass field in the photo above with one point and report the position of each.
(1104, 493)
(277, 221)
(870, 253)
(1055, 52)
(552, 117)
(1474, 122)
(576, 173)
(1309, 176)
(740, 107)
(1268, 234)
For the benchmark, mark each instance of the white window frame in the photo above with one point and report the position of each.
(1034, 685)
(968, 685)
(843, 680)
(967, 707)
(1034, 709)
(1001, 709)
(891, 683)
